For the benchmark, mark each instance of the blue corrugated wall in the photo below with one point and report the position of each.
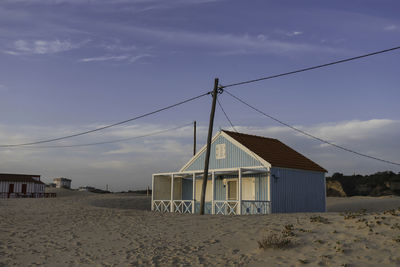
(187, 189)
(235, 157)
(297, 191)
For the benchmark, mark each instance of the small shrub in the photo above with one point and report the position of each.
(274, 241)
(395, 226)
(303, 261)
(319, 219)
(391, 212)
(288, 230)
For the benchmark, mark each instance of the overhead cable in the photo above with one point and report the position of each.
(310, 135)
(233, 127)
(311, 68)
(107, 126)
(115, 141)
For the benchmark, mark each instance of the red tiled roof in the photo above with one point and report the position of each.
(275, 152)
(28, 178)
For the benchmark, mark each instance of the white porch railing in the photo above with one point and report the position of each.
(162, 205)
(229, 207)
(182, 206)
(224, 207)
(256, 207)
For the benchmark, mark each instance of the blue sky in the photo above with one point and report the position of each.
(70, 66)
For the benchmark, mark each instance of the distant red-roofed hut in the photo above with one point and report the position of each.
(21, 185)
(248, 174)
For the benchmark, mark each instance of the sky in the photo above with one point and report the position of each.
(68, 66)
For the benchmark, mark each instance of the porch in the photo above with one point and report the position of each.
(238, 191)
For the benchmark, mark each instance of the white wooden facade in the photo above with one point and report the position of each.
(21, 185)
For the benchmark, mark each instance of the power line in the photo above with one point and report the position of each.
(226, 116)
(117, 140)
(233, 127)
(311, 68)
(310, 135)
(108, 126)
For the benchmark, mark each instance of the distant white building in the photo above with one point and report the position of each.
(86, 188)
(62, 183)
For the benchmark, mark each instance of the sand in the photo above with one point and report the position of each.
(85, 229)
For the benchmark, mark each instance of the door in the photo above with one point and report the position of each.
(11, 188)
(232, 190)
(248, 189)
(23, 189)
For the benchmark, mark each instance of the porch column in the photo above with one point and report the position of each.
(269, 184)
(194, 194)
(152, 192)
(240, 192)
(269, 207)
(212, 192)
(172, 193)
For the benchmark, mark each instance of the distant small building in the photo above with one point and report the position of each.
(62, 182)
(53, 185)
(86, 188)
(21, 185)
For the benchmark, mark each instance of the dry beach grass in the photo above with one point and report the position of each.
(119, 230)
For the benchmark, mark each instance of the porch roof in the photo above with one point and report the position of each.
(183, 174)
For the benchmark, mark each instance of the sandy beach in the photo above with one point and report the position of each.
(85, 229)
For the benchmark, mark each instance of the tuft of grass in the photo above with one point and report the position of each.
(395, 226)
(304, 230)
(303, 261)
(354, 215)
(391, 212)
(319, 219)
(288, 230)
(275, 241)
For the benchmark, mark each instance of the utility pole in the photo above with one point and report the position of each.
(207, 159)
(194, 138)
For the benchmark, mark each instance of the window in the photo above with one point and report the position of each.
(220, 151)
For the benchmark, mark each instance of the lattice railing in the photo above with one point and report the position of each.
(183, 206)
(256, 207)
(226, 207)
(162, 205)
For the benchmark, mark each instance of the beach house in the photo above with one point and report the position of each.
(21, 185)
(248, 174)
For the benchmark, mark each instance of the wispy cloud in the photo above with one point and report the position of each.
(104, 58)
(225, 43)
(41, 47)
(294, 33)
(376, 137)
(3, 88)
(133, 2)
(128, 58)
(390, 28)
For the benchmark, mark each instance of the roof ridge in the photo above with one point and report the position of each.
(22, 174)
(259, 136)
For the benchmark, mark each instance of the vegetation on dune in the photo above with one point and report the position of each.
(377, 184)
